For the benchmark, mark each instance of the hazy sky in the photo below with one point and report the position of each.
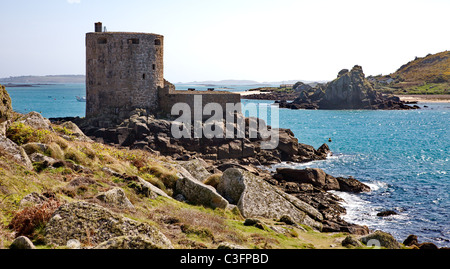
(258, 40)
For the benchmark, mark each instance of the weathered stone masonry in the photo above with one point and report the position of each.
(125, 71)
(168, 96)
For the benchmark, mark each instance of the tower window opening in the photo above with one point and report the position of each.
(157, 42)
(143, 76)
(133, 41)
(153, 66)
(102, 40)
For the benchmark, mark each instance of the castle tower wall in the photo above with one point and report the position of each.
(123, 72)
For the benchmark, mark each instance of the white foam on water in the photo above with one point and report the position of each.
(377, 185)
(359, 211)
(363, 212)
(288, 165)
(294, 165)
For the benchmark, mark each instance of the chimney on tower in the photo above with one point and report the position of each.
(98, 27)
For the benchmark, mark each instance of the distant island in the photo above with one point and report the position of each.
(24, 80)
(243, 82)
(44, 79)
(421, 76)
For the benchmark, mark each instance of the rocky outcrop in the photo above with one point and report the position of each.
(36, 121)
(314, 176)
(350, 241)
(22, 242)
(318, 178)
(5, 105)
(140, 185)
(279, 96)
(142, 131)
(194, 191)
(15, 152)
(256, 198)
(427, 245)
(75, 132)
(116, 198)
(311, 185)
(196, 167)
(41, 158)
(32, 199)
(411, 241)
(4, 127)
(7, 147)
(92, 224)
(129, 242)
(73, 244)
(306, 202)
(33, 147)
(350, 90)
(349, 184)
(147, 189)
(227, 245)
(34, 152)
(386, 213)
(381, 239)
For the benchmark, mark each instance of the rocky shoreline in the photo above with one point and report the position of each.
(231, 180)
(216, 156)
(276, 96)
(143, 131)
(92, 179)
(350, 90)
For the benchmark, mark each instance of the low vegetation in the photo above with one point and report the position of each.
(424, 75)
(187, 226)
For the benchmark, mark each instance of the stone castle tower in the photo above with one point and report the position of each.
(123, 72)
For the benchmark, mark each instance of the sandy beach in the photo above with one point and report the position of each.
(438, 98)
(251, 92)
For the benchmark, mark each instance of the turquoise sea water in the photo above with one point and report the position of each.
(55, 100)
(59, 100)
(402, 155)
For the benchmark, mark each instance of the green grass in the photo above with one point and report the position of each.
(425, 88)
(187, 226)
(431, 88)
(424, 75)
(21, 134)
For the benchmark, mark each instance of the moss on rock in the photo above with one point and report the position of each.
(5, 105)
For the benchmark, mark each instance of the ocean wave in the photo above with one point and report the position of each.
(312, 164)
(358, 210)
(363, 212)
(377, 185)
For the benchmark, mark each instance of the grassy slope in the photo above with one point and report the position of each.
(426, 75)
(187, 226)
